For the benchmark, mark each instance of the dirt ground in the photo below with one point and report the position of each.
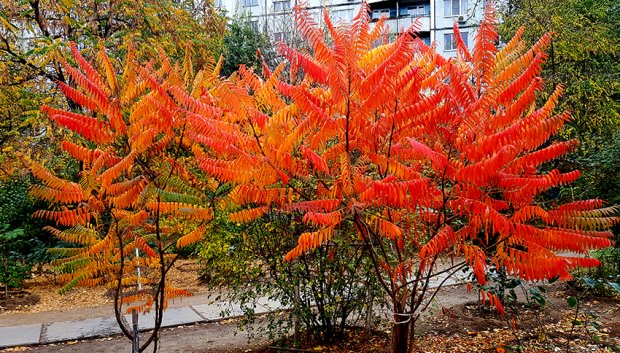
(41, 293)
(466, 327)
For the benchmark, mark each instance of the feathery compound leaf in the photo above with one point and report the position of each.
(440, 242)
(88, 127)
(180, 209)
(192, 237)
(317, 162)
(310, 241)
(248, 215)
(323, 219)
(384, 227)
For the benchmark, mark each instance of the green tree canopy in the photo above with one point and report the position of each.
(241, 43)
(584, 56)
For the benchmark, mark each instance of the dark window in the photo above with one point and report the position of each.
(250, 3)
(281, 6)
(449, 42)
(377, 14)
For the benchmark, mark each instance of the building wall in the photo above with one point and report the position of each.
(468, 19)
(435, 18)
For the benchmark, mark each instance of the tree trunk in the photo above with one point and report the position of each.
(296, 321)
(368, 323)
(400, 334)
(5, 263)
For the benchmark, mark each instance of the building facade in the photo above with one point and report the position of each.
(436, 17)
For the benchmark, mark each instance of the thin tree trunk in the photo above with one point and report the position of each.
(400, 335)
(296, 323)
(412, 334)
(6, 273)
(400, 329)
(368, 323)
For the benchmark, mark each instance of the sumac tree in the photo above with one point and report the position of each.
(420, 155)
(138, 196)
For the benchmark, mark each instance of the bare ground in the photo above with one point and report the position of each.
(41, 293)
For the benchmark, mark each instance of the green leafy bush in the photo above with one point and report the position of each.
(324, 291)
(606, 278)
(241, 43)
(22, 242)
(13, 268)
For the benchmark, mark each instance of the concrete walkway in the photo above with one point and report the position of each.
(93, 327)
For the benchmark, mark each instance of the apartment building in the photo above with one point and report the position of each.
(436, 17)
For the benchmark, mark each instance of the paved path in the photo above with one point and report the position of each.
(70, 330)
(28, 329)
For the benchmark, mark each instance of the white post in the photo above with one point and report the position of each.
(138, 257)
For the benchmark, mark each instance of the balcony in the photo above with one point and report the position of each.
(401, 14)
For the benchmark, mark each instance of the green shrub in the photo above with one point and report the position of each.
(325, 290)
(23, 244)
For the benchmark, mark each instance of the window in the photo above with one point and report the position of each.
(316, 16)
(255, 26)
(342, 15)
(377, 14)
(250, 3)
(420, 10)
(454, 7)
(279, 37)
(449, 42)
(281, 6)
(426, 40)
(217, 3)
(414, 10)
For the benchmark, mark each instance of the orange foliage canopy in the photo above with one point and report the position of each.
(423, 155)
(135, 194)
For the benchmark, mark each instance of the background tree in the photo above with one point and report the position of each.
(242, 42)
(34, 33)
(33, 42)
(22, 242)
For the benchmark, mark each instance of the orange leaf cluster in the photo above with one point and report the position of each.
(423, 155)
(135, 198)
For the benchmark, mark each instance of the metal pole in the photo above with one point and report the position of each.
(136, 333)
(397, 19)
(138, 269)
